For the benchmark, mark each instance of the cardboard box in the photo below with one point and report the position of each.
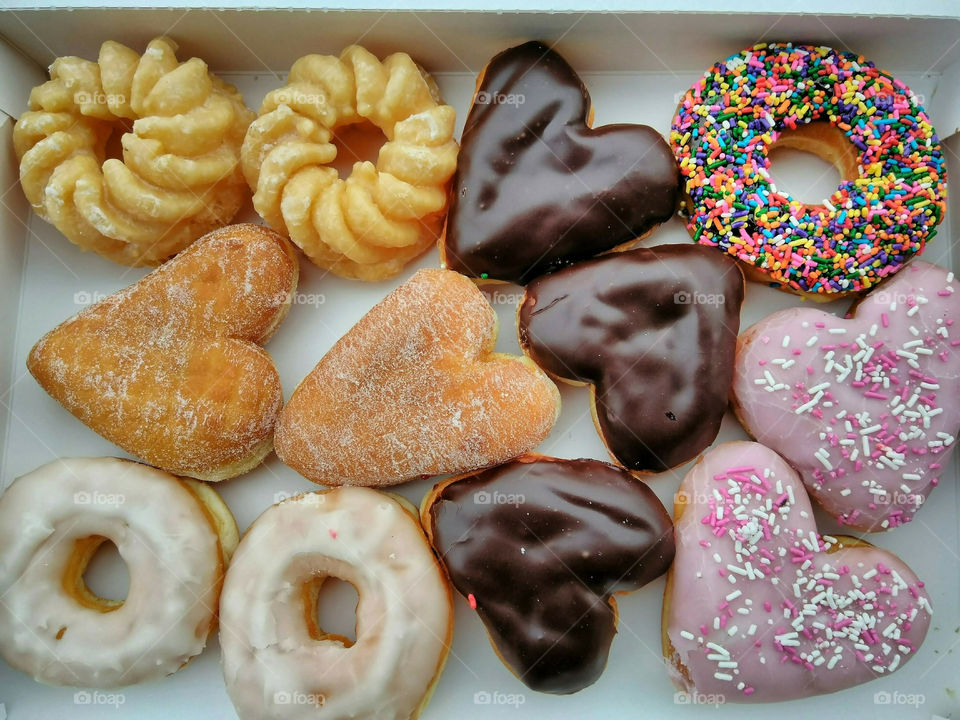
(636, 65)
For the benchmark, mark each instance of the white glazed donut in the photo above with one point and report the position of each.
(278, 663)
(175, 537)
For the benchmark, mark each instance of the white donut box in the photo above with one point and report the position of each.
(636, 60)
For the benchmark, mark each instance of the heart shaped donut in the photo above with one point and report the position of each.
(653, 332)
(536, 187)
(415, 389)
(759, 607)
(865, 408)
(171, 368)
(539, 547)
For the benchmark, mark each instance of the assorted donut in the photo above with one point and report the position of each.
(835, 104)
(145, 160)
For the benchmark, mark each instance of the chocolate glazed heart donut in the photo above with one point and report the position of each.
(540, 547)
(653, 331)
(536, 187)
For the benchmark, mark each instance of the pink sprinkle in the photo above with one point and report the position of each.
(472, 600)
(885, 320)
(333, 533)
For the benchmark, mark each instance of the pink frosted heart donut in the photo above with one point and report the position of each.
(759, 607)
(865, 408)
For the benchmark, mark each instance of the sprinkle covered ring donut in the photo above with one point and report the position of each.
(277, 660)
(175, 536)
(893, 192)
(371, 224)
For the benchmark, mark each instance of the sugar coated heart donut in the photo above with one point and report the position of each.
(837, 105)
(865, 408)
(279, 663)
(539, 547)
(759, 607)
(415, 389)
(176, 537)
(171, 369)
(178, 175)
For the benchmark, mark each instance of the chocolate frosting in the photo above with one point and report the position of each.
(541, 545)
(655, 331)
(535, 188)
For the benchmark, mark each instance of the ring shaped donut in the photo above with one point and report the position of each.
(839, 106)
(277, 660)
(175, 537)
(369, 225)
(176, 174)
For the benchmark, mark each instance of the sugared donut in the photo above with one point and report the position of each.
(834, 104)
(179, 127)
(175, 536)
(415, 389)
(279, 663)
(760, 607)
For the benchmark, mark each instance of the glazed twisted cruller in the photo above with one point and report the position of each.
(179, 177)
(382, 216)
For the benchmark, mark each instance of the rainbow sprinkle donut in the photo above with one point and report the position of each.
(873, 223)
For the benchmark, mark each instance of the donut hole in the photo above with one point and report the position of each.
(97, 576)
(809, 163)
(355, 143)
(330, 607)
(113, 149)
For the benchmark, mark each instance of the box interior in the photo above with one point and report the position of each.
(636, 66)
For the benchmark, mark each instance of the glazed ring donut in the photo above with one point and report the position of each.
(175, 536)
(277, 661)
(891, 198)
(381, 217)
(179, 177)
